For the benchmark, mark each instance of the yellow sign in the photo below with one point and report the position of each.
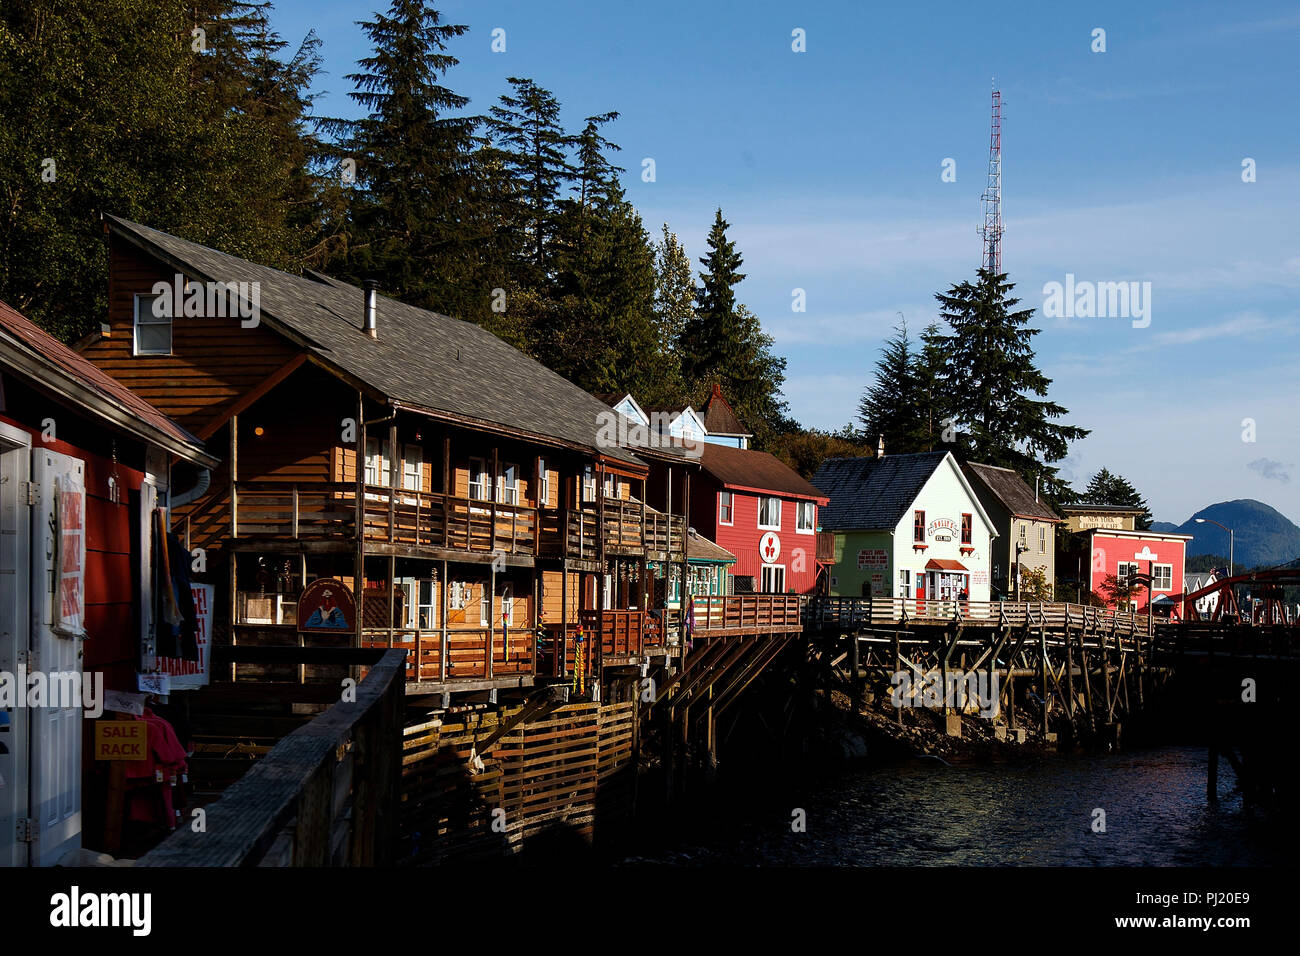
(121, 740)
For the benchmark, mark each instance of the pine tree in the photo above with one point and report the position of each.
(891, 409)
(710, 336)
(994, 389)
(1106, 488)
(932, 394)
(674, 305)
(413, 222)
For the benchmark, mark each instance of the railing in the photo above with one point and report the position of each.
(666, 533)
(620, 633)
(850, 612)
(623, 526)
(467, 652)
(570, 532)
(323, 796)
(744, 614)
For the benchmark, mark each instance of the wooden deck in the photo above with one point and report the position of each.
(848, 614)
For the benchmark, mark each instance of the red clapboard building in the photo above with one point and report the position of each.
(1122, 553)
(764, 513)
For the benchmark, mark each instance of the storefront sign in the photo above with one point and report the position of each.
(327, 605)
(869, 558)
(942, 529)
(159, 684)
(121, 740)
(769, 548)
(1101, 521)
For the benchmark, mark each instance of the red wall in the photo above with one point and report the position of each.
(1109, 550)
(742, 537)
(111, 622)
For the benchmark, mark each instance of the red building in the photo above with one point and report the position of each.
(761, 511)
(1122, 553)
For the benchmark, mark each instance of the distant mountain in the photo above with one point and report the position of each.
(1264, 536)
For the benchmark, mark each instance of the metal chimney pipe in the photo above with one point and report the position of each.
(371, 295)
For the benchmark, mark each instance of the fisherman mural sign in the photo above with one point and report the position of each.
(326, 605)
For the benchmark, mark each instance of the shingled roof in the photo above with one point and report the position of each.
(871, 493)
(421, 360)
(757, 470)
(28, 351)
(1010, 489)
(720, 419)
(700, 548)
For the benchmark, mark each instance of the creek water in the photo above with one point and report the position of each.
(926, 813)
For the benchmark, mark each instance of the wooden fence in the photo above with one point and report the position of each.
(557, 774)
(325, 795)
(847, 613)
(718, 615)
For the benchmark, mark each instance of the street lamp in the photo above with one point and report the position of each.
(1231, 537)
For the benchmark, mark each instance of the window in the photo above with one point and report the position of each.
(426, 605)
(725, 513)
(967, 528)
(508, 485)
(1042, 540)
(773, 579)
(904, 582)
(508, 608)
(1022, 531)
(485, 609)
(412, 467)
(803, 517)
(1124, 569)
(611, 486)
(543, 484)
(379, 462)
(769, 513)
(918, 527)
(1163, 577)
(153, 333)
(588, 484)
(478, 479)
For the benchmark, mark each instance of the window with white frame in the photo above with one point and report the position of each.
(485, 609)
(1042, 539)
(725, 508)
(543, 484)
(772, 580)
(153, 333)
(904, 582)
(412, 467)
(426, 604)
(479, 480)
(769, 513)
(508, 485)
(1124, 569)
(803, 517)
(588, 484)
(1162, 577)
(1022, 531)
(611, 486)
(508, 607)
(379, 462)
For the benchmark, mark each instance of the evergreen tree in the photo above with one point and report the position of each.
(710, 336)
(994, 390)
(892, 408)
(927, 372)
(124, 109)
(415, 224)
(1106, 488)
(674, 305)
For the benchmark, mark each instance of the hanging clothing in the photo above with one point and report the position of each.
(177, 624)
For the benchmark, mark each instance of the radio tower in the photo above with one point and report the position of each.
(992, 228)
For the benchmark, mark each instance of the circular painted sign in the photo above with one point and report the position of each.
(769, 548)
(326, 605)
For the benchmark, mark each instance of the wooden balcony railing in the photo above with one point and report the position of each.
(717, 615)
(619, 633)
(466, 652)
(421, 519)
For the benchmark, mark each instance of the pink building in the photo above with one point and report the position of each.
(1123, 552)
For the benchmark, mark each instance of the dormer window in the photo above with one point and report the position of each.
(153, 332)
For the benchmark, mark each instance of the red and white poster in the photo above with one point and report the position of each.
(187, 675)
(70, 603)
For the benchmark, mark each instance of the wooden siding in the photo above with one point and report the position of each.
(213, 361)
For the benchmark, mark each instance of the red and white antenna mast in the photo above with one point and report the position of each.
(992, 228)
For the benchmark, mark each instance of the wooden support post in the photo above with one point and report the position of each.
(359, 577)
(1087, 682)
(1042, 650)
(898, 667)
(856, 684)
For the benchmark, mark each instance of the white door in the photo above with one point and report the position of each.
(15, 540)
(57, 629)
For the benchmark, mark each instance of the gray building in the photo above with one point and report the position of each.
(1026, 526)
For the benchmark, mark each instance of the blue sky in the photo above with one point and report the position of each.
(1117, 166)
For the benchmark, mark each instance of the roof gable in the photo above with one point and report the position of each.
(755, 470)
(420, 359)
(873, 493)
(1010, 490)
